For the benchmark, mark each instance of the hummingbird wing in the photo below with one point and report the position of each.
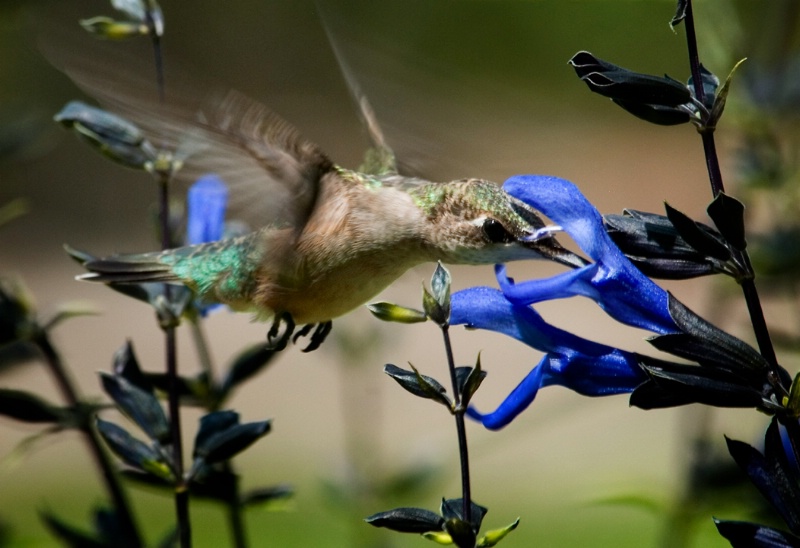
(272, 172)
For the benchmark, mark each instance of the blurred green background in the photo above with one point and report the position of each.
(475, 88)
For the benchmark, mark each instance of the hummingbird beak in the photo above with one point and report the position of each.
(543, 242)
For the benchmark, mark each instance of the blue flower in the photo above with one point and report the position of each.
(587, 367)
(612, 281)
(206, 203)
(205, 219)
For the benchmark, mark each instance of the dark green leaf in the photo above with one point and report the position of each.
(419, 385)
(454, 509)
(246, 365)
(141, 407)
(696, 237)
(132, 451)
(227, 443)
(728, 214)
(211, 425)
(407, 520)
(113, 136)
(127, 366)
(469, 380)
(390, 312)
(266, 495)
(433, 309)
(27, 407)
(16, 312)
(191, 391)
(742, 534)
(69, 535)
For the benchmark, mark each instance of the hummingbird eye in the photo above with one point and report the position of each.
(496, 232)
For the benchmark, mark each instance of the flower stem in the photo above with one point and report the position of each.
(463, 451)
(70, 393)
(171, 358)
(715, 177)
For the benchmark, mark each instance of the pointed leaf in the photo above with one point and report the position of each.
(472, 381)
(722, 97)
(231, 441)
(493, 537)
(69, 535)
(407, 520)
(390, 312)
(27, 407)
(454, 509)
(141, 407)
(433, 309)
(132, 451)
(267, 495)
(247, 364)
(211, 425)
(127, 366)
(439, 537)
(111, 29)
(695, 236)
(440, 288)
(710, 83)
(419, 385)
(728, 214)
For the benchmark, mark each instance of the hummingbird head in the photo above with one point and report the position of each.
(476, 222)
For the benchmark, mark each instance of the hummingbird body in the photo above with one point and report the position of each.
(365, 233)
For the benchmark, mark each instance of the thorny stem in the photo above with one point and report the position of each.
(715, 177)
(463, 451)
(70, 393)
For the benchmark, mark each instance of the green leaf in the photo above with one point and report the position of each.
(390, 312)
(461, 532)
(27, 407)
(695, 236)
(491, 538)
(722, 97)
(111, 29)
(140, 406)
(70, 535)
(419, 385)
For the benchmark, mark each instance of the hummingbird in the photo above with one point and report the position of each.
(326, 239)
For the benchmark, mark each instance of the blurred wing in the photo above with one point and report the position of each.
(272, 172)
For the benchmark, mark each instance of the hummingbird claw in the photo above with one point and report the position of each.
(319, 335)
(278, 342)
(305, 330)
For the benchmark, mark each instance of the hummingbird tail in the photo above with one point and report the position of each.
(144, 267)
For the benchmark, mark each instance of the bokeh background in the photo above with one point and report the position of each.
(475, 88)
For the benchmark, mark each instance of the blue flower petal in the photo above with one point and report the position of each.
(612, 281)
(206, 203)
(581, 365)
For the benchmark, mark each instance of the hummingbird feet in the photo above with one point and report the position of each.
(320, 333)
(278, 341)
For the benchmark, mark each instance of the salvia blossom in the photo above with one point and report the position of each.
(611, 280)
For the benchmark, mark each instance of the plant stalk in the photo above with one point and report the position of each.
(110, 478)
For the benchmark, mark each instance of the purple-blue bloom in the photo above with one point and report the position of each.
(206, 202)
(612, 281)
(587, 367)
